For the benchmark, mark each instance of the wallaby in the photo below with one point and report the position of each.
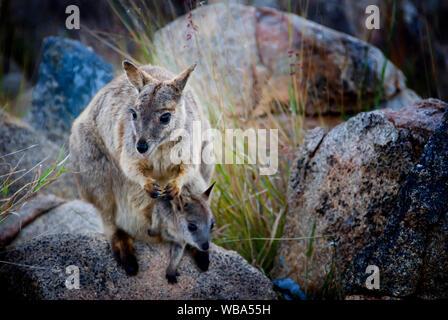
(120, 150)
(184, 221)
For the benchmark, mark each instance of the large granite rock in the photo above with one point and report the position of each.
(415, 22)
(37, 270)
(412, 252)
(249, 57)
(70, 234)
(343, 185)
(24, 153)
(70, 74)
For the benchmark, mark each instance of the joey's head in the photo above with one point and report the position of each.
(158, 109)
(195, 220)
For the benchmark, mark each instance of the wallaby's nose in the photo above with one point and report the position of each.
(142, 146)
(205, 246)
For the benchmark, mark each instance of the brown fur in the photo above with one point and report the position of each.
(109, 171)
(124, 251)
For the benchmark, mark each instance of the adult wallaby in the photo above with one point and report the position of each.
(186, 220)
(120, 150)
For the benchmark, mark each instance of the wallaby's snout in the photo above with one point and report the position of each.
(142, 146)
(205, 246)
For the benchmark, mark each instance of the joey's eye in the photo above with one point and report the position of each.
(212, 225)
(192, 227)
(165, 118)
(134, 114)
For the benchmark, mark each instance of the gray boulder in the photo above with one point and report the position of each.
(412, 252)
(37, 270)
(343, 185)
(70, 74)
(252, 64)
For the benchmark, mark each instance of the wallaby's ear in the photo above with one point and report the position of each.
(180, 81)
(206, 193)
(137, 77)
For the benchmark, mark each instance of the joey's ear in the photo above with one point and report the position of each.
(137, 77)
(180, 81)
(206, 193)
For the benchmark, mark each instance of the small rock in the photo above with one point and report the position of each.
(290, 289)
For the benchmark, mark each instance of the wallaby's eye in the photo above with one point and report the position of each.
(212, 225)
(192, 227)
(134, 114)
(165, 118)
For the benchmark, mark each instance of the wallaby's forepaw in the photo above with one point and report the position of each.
(172, 190)
(172, 277)
(202, 259)
(153, 189)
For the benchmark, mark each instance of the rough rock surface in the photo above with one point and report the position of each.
(362, 297)
(27, 212)
(22, 149)
(412, 253)
(415, 21)
(37, 270)
(251, 62)
(70, 74)
(343, 186)
(72, 217)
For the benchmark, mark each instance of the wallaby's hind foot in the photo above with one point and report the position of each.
(202, 259)
(124, 252)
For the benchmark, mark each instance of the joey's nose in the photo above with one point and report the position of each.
(205, 246)
(142, 146)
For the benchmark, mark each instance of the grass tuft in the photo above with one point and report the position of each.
(11, 202)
